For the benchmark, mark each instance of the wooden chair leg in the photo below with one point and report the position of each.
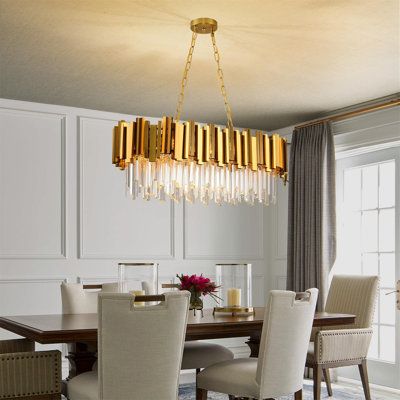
(201, 394)
(317, 377)
(364, 379)
(327, 378)
(298, 395)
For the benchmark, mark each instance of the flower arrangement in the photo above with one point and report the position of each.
(198, 285)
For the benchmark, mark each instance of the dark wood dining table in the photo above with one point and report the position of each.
(79, 331)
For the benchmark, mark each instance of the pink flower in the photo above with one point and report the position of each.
(198, 284)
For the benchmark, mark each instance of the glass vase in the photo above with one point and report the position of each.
(196, 302)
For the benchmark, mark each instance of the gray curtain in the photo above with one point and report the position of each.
(312, 215)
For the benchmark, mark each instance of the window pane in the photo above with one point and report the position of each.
(386, 229)
(387, 308)
(369, 229)
(387, 270)
(373, 347)
(387, 184)
(352, 243)
(370, 187)
(387, 343)
(352, 188)
(370, 264)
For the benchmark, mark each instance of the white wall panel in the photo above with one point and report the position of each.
(60, 195)
(111, 225)
(223, 232)
(32, 181)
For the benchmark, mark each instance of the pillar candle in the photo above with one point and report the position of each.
(234, 297)
(138, 293)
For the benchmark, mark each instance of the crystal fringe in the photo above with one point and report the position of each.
(199, 182)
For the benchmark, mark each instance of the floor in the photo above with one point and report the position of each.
(340, 392)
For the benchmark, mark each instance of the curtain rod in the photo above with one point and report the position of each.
(349, 114)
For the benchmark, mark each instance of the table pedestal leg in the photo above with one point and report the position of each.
(81, 357)
(254, 344)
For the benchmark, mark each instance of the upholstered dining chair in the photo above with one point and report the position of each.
(26, 373)
(198, 354)
(279, 369)
(140, 350)
(77, 298)
(343, 346)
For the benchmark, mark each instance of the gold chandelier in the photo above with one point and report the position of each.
(199, 161)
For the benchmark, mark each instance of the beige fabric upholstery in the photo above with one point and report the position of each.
(201, 354)
(76, 300)
(340, 345)
(84, 387)
(350, 295)
(236, 377)
(24, 372)
(140, 349)
(353, 294)
(280, 366)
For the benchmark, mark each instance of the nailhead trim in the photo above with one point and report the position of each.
(57, 388)
(327, 333)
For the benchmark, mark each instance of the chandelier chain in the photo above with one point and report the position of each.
(185, 77)
(221, 81)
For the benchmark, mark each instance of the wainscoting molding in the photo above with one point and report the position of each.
(24, 162)
(253, 232)
(131, 252)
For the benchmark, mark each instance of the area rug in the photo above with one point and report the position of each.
(187, 392)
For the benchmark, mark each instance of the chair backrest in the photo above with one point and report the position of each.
(140, 347)
(353, 294)
(76, 300)
(284, 342)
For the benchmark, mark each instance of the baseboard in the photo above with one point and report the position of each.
(355, 382)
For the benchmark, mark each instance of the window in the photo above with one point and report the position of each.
(367, 243)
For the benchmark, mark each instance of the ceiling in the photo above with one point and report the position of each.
(283, 61)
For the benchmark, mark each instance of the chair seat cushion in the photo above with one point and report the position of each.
(84, 387)
(236, 377)
(201, 354)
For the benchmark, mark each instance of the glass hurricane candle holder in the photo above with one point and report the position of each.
(138, 278)
(235, 288)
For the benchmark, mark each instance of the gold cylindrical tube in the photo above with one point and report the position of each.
(245, 148)
(206, 141)
(121, 140)
(232, 155)
(166, 137)
(284, 154)
(260, 149)
(267, 152)
(178, 143)
(238, 149)
(138, 135)
(199, 143)
(145, 140)
(158, 139)
(220, 147)
(253, 153)
(192, 139)
(226, 145)
(186, 132)
(275, 151)
(129, 142)
(153, 143)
